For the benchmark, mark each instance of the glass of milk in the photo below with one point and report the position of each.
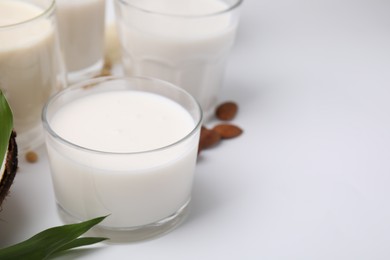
(31, 65)
(126, 148)
(185, 42)
(81, 27)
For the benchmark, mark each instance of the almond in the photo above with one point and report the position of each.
(31, 157)
(227, 131)
(226, 111)
(208, 138)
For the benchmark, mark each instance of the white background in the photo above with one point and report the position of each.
(309, 178)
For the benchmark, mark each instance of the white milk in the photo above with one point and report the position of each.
(81, 27)
(28, 65)
(189, 52)
(135, 189)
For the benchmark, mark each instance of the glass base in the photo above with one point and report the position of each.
(31, 140)
(133, 234)
(87, 73)
(209, 115)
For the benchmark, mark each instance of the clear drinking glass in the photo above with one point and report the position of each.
(81, 26)
(185, 42)
(31, 66)
(144, 191)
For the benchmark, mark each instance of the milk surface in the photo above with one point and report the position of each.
(135, 189)
(122, 121)
(81, 27)
(187, 51)
(28, 65)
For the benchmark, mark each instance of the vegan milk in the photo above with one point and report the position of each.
(177, 43)
(28, 66)
(81, 26)
(134, 181)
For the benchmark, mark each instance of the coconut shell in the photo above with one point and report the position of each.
(11, 166)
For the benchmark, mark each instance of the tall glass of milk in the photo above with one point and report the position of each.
(126, 148)
(81, 27)
(185, 42)
(31, 66)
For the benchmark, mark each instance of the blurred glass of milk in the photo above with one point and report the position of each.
(81, 26)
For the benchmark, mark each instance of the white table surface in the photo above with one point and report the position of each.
(309, 178)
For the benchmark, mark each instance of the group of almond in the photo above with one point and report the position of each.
(210, 137)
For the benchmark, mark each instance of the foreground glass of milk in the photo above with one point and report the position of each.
(185, 42)
(81, 27)
(123, 147)
(31, 68)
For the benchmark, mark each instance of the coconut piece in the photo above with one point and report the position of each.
(9, 167)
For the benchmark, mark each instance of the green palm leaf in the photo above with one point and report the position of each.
(6, 124)
(53, 240)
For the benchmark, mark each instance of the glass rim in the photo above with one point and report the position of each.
(45, 12)
(96, 81)
(231, 7)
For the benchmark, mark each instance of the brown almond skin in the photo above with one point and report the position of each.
(208, 138)
(31, 157)
(227, 131)
(226, 111)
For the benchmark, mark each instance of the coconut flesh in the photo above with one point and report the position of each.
(8, 168)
